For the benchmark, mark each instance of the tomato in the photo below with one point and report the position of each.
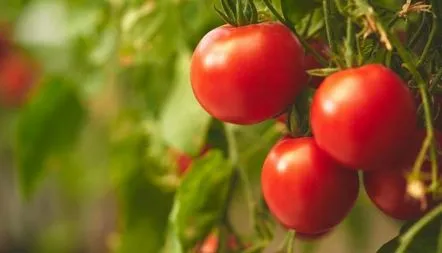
(305, 189)
(309, 237)
(17, 74)
(247, 74)
(311, 62)
(363, 117)
(387, 188)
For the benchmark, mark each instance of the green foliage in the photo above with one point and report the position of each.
(201, 199)
(296, 10)
(427, 240)
(144, 204)
(181, 109)
(48, 125)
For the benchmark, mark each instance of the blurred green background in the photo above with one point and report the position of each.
(86, 164)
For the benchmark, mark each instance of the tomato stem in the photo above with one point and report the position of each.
(326, 6)
(349, 53)
(291, 234)
(408, 236)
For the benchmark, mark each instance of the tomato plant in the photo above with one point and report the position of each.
(387, 187)
(300, 181)
(356, 113)
(105, 105)
(234, 69)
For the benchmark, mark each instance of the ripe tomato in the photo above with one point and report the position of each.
(387, 188)
(305, 189)
(310, 237)
(311, 62)
(17, 74)
(363, 117)
(247, 74)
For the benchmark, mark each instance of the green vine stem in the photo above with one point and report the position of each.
(331, 41)
(408, 236)
(291, 26)
(426, 51)
(418, 33)
(349, 42)
(290, 241)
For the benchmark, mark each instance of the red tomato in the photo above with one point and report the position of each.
(363, 117)
(184, 160)
(387, 188)
(305, 189)
(309, 237)
(17, 74)
(247, 74)
(311, 62)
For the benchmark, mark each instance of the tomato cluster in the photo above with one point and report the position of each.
(362, 119)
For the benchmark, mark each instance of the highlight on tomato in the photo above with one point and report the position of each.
(363, 117)
(248, 74)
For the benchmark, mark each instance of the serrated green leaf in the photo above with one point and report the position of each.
(49, 124)
(184, 123)
(201, 198)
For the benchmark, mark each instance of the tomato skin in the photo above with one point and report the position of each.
(305, 189)
(363, 117)
(248, 74)
(387, 188)
(311, 62)
(311, 237)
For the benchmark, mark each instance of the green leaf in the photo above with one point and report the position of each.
(295, 10)
(144, 204)
(425, 241)
(322, 72)
(49, 124)
(201, 199)
(184, 124)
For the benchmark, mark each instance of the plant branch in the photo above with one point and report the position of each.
(349, 42)
(326, 9)
(408, 236)
(426, 51)
(290, 241)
